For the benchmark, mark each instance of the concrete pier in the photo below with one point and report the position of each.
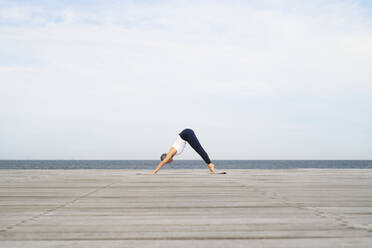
(186, 208)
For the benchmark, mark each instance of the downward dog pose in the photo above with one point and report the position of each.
(187, 135)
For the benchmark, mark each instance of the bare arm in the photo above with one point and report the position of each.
(167, 159)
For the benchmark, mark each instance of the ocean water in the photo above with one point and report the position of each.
(183, 164)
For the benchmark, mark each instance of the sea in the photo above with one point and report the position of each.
(182, 164)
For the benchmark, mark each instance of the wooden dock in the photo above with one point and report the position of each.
(186, 208)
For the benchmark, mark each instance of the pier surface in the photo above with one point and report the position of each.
(186, 208)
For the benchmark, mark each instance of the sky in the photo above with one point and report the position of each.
(255, 79)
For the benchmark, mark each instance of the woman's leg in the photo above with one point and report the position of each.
(191, 138)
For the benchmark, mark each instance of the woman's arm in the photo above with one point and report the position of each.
(167, 159)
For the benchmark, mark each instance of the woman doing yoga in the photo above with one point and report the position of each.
(187, 135)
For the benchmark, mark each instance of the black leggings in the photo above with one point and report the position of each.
(189, 136)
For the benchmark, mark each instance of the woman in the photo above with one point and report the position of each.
(187, 135)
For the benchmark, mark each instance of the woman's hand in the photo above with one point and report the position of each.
(167, 159)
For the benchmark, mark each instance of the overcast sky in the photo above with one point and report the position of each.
(259, 79)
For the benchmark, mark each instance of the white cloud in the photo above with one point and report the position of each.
(132, 63)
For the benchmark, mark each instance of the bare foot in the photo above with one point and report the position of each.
(211, 167)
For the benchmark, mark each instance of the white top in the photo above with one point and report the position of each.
(179, 145)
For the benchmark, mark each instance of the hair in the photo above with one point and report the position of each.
(162, 157)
